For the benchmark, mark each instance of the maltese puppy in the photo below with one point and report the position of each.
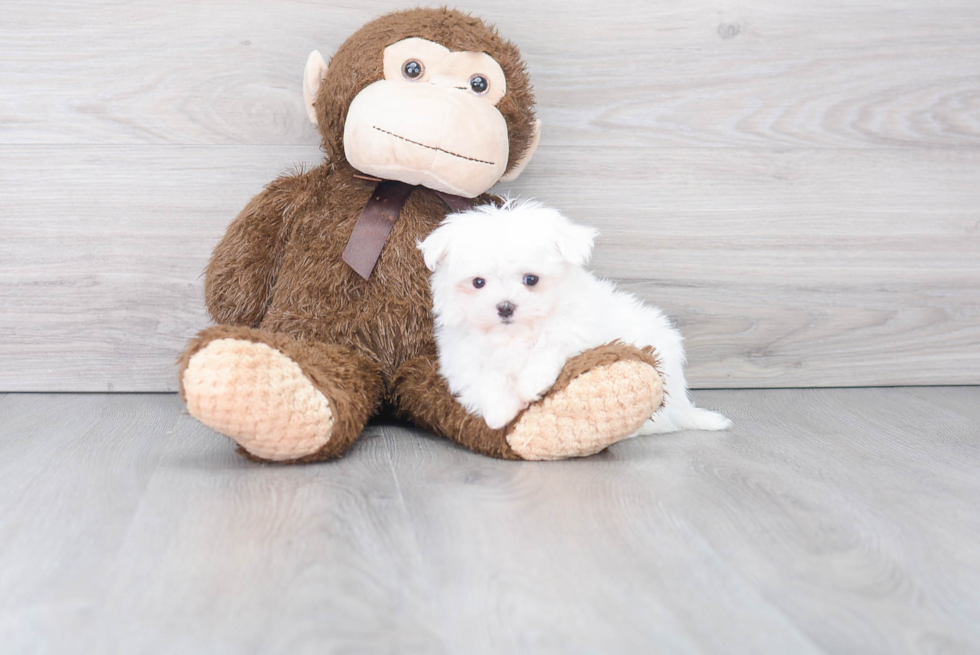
(513, 302)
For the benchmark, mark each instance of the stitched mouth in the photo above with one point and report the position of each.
(454, 154)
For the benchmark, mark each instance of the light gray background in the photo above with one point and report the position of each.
(797, 184)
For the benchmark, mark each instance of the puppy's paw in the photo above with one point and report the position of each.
(536, 379)
(499, 415)
(496, 404)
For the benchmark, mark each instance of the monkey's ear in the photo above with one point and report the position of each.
(526, 157)
(316, 68)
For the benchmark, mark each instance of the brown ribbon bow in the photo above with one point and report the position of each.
(378, 218)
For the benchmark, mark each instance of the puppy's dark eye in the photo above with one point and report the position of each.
(412, 69)
(479, 84)
(478, 282)
(530, 280)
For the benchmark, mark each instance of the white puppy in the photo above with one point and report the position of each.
(513, 303)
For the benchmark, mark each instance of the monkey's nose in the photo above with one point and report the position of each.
(506, 309)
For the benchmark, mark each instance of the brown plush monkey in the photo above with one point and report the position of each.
(306, 348)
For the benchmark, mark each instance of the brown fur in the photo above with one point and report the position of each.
(278, 277)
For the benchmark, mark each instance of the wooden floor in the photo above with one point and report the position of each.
(826, 521)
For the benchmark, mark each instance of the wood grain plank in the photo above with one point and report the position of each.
(102, 252)
(756, 73)
(825, 521)
(853, 447)
(793, 268)
(73, 470)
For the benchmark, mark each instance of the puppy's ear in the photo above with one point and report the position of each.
(435, 246)
(574, 242)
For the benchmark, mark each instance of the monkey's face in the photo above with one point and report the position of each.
(425, 96)
(432, 120)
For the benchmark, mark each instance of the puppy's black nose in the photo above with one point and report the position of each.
(506, 309)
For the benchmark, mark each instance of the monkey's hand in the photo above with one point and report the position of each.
(538, 376)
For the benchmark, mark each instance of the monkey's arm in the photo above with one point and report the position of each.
(243, 268)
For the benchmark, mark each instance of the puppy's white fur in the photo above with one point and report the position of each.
(495, 364)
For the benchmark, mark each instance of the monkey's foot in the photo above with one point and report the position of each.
(596, 409)
(259, 397)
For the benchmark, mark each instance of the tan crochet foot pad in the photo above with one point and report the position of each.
(595, 410)
(259, 397)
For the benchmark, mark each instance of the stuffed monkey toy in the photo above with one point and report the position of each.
(319, 295)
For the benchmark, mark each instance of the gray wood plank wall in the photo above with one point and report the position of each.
(798, 184)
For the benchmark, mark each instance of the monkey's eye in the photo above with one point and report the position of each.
(479, 84)
(413, 69)
(530, 280)
(478, 282)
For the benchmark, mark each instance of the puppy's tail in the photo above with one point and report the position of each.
(684, 417)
